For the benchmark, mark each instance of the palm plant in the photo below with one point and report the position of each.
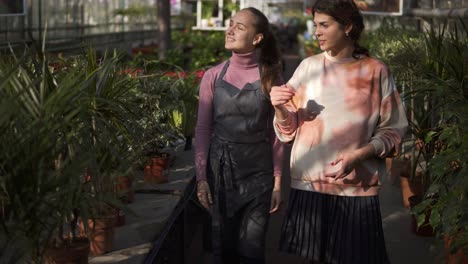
(39, 168)
(55, 125)
(109, 129)
(110, 114)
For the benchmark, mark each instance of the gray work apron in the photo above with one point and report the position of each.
(240, 159)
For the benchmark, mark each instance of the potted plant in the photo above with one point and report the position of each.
(208, 9)
(229, 9)
(49, 123)
(434, 69)
(154, 97)
(39, 175)
(183, 114)
(110, 128)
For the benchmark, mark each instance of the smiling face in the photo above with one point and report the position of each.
(330, 34)
(241, 35)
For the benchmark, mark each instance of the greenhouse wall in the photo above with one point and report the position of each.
(128, 23)
(79, 20)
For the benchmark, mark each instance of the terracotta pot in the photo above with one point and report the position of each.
(188, 143)
(76, 252)
(147, 172)
(458, 257)
(4, 211)
(425, 229)
(159, 170)
(119, 217)
(410, 187)
(150, 49)
(4, 205)
(123, 187)
(393, 169)
(100, 234)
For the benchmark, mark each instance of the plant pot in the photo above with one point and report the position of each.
(425, 229)
(119, 217)
(124, 189)
(410, 187)
(4, 206)
(458, 257)
(100, 234)
(158, 172)
(76, 252)
(392, 169)
(204, 23)
(150, 49)
(188, 143)
(4, 210)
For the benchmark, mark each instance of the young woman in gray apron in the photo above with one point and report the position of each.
(238, 158)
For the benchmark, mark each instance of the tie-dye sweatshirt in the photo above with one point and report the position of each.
(340, 106)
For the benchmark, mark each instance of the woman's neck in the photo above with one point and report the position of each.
(244, 60)
(343, 53)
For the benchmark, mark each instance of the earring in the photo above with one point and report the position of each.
(347, 34)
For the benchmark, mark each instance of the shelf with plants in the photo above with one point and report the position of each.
(212, 15)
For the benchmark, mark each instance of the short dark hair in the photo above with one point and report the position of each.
(344, 12)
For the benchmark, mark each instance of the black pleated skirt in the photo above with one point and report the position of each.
(334, 229)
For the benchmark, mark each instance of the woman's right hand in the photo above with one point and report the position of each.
(204, 194)
(279, 95)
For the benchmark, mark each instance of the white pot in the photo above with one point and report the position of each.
(204, 23)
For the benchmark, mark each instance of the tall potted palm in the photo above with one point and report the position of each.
(109, 129)
(55, 125)
(40, 172)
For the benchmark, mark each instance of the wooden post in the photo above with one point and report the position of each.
(199, 13)
(164, 27)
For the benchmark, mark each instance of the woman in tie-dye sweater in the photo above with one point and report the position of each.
(343, 112)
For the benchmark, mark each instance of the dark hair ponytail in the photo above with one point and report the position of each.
(269, 55)
(345, 12)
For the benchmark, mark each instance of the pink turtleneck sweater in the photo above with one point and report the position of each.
(243, 68)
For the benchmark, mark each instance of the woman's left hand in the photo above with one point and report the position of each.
(348, 163)
(276, 196)
(275, 201)
(350, 159)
